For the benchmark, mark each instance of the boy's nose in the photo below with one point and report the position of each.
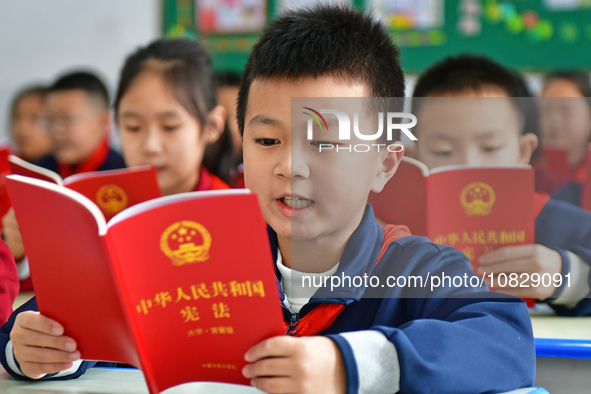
(473, 158)
(292, 165)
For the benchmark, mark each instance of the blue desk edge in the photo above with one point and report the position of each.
(563, 348)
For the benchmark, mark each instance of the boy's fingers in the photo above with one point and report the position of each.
(516, 266)
(36, 322)
(273, 385)
(275, 367)
(44, 356)
(37, 339)
(38, 370)
(506, 253)
(272, 347)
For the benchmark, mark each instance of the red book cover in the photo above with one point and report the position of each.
(472, 209)
(112, 191)
(4, 170)
(555, 159)
(180, 286)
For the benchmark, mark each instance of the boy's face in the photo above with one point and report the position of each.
(31, 140)
(471, 130)
(76, 125)
(307, 195)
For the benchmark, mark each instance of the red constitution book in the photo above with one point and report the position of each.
(4, 170)
(179, 286)
(112, 191)
(472, 209)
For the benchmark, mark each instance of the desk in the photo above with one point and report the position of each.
(563, 353)
(127, 381)
(21, 298)
(113, 380)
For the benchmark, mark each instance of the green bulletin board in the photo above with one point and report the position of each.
(538, 35)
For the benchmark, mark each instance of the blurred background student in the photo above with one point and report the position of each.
(31, 140)
(565, 123)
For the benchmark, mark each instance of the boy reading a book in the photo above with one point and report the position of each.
(453, 340)
(77, 119)
(468, 114)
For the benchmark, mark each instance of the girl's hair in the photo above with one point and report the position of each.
(186, 69)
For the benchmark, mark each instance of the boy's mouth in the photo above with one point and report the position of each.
(297, 202)
(294, 206)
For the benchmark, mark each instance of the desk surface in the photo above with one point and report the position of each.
(128, 381)
(112, 380)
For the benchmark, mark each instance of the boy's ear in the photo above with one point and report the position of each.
(389, 165)
(216, 121)
(104, 119)
(528, 142)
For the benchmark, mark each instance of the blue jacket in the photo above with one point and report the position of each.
(451, 339)
(458, 340)
(564, 227)
(570, 192)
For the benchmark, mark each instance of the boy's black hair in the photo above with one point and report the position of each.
(464, 73)
(37, 90)
(186, 68)
(325, 40)
(577, 78)
(85, 81)
(471, 73)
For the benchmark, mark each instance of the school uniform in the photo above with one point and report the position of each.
(448, 340)
(567, 229)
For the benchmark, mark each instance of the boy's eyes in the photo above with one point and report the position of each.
(442, 153)
(266, 141)
(490, 149)
(317, 144)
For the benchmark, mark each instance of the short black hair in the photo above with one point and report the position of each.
(88, 82)
(471, 73)
(37, 90)
(325, 40)
(464, 73)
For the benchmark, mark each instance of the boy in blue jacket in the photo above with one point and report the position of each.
(470, 111)
(351, 337)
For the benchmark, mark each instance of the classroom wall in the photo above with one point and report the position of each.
(39, 39)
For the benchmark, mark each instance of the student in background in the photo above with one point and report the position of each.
(77, 120)
(467, 115)
(566, 122)
(166, 112)
(30, 138)
(226, 154)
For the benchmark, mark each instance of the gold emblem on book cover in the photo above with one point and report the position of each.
(185, 242)
(111, 199)
(477, 198)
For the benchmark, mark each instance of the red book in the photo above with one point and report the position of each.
(180, 286)
(555, 159)
(4, 170)
(472, 209)
(112, 191)
(586, 197)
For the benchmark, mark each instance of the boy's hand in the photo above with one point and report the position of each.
(40, 346)
(522, 259)
(296, 365)
(12, 235)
